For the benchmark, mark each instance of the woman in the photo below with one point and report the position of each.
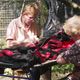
(72, 55)
(24, 31)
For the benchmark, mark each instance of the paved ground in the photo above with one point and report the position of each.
(55, 76)
(9, 72)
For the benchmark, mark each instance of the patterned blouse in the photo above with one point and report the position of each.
(72, 55)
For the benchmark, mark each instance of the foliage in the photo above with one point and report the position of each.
(43, 13)
(63, 68)
(2, 43)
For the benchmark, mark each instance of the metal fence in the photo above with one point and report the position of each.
(9, 9)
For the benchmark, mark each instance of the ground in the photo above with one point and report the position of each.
(55, 76)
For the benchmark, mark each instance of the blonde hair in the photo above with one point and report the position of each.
(72, 25)
(32, 9)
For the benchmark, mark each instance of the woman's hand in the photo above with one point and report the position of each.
(29, 45)
(60, 59)
(15, 43)
(25, 42)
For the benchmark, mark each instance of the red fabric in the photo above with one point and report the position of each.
(42, 56)
(6, 52)
(55, 46)
(63, 45)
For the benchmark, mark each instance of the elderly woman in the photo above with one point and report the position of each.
(72, 55)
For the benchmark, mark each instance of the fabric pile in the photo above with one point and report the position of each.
(46, 49)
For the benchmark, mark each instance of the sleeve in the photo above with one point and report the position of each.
(72, 55)
(11, 30)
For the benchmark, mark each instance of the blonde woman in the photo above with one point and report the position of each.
(72, 55)
(24, 31)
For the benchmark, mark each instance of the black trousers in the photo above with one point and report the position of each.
(35, 74)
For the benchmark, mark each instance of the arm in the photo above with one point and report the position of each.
(11, 33)
(72, 55)
(25, 42)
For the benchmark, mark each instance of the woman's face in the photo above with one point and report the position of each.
(28, 19)
(72, 33)
(67, 31)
